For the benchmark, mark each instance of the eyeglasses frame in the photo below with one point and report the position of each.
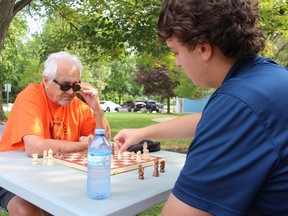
(75, 87)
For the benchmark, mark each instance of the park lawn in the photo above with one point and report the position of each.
(122, 120)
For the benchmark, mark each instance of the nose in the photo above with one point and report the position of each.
(70, 91)
(177, 63)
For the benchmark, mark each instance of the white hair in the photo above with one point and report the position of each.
(50, 65)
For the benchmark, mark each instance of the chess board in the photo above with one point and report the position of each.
(79, 161)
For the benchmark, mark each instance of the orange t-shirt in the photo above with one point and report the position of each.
(34, 113)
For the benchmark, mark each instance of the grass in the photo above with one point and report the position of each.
(122, 120)
(3, 213)
(154, 211)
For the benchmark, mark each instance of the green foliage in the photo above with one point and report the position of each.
(187, 89)
(121, 81)
(274, 19)
(103, 28)
(11, 50)
(97, 74)
(3, 213)
(156, 81)
(10, 58)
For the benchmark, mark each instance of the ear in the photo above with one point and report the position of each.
(206, 51)
(45, 81)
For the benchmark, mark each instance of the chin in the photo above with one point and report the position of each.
(64, 102)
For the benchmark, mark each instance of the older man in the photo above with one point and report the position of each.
(49, 116)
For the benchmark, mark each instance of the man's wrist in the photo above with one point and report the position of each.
(99, 115)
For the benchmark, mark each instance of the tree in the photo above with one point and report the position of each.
(8, 10)
(274, 19)
(121, 81)
(101, 27)
(186, 88)
(157, 81)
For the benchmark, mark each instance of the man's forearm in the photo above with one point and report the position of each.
(101, 122)
(35, 144)
(183, 127)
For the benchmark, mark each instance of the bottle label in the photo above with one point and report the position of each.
(102, 159)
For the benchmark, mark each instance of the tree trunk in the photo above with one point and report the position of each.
(8, 9)
(6, 16)
(2, 116)
(168, 105)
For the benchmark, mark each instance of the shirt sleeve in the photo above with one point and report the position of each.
(28, 120)
(228, 159)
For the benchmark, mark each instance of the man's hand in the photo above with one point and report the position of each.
(86, 139)
(128, 137)
(90, 95)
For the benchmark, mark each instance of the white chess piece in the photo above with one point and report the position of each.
(145, 151)
(44, 157)
(145, 146)
(50, 158)
(34, 159)
(132, 156)
(138, 157)
(119, 157)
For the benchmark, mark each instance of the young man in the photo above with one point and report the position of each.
(237, 163)
(49, 116)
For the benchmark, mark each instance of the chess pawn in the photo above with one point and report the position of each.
(34, 159)
(50, 158)
(156, 165)
(50, 153)
(138, 157)
(162, 166)
(140, 172)
(44, 157)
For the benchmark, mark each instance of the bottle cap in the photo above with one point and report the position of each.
(100, 131)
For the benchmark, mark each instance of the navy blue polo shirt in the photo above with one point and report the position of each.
(237, 163)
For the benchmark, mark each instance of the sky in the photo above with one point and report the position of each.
(35, 25)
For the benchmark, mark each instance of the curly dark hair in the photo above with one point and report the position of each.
(231, 25)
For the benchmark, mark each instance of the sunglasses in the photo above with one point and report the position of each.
(66, 87)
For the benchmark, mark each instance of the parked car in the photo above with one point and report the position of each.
(133, 106)
(108, 106)
(152, 105)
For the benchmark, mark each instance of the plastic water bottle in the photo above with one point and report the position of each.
(99, 164)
